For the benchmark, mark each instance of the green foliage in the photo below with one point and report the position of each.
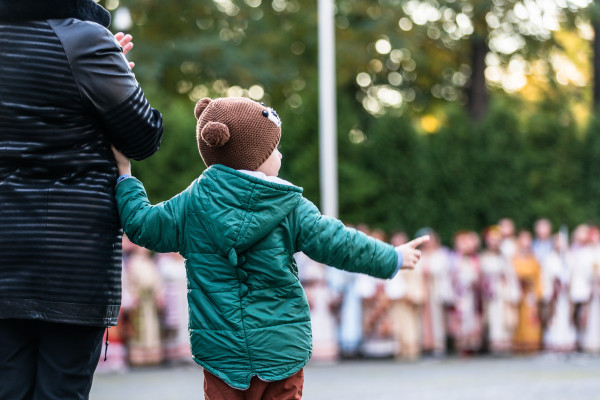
(523, 160)
(300, 145)
(178, 162)
(590, 165)
(469, 175)
(554, 176)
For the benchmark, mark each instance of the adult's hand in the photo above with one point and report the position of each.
(125, 41)
(123, 163)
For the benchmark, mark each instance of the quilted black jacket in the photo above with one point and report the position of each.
(66, 93)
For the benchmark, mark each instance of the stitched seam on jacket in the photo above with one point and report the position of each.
(228, 290)
(207, 187)
(79, 91)
(250, 329)
(240, 284)
(311, 228)
(243, 227)
(372, 259)
(287, 365)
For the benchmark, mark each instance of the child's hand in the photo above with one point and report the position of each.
(123, 163)
(411, 255)
(126, 43)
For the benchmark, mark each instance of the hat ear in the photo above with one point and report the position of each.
(215, 134)
(201, 106)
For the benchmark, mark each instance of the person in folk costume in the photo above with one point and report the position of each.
(541, 247)
(528, 334)
(543, 244)
(465, 318)
(348, 310)
(176, 338)
(582, 271)
(407, 296)
(376, 306)
(313, 277)
(590, 335)
(117, 358)
(146, 288)
(438, 294)
(500, 295)
(508, 245)
(560, 334)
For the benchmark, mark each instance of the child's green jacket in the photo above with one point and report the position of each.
(248, 313)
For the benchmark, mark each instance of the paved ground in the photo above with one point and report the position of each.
(545, 377)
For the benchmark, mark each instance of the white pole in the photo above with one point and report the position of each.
(327, 110)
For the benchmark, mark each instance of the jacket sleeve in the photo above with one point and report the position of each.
(327, 240)
(154, 227)
(108, 86)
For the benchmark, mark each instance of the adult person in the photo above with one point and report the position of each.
(465, 319)
(543, 243)
(66, 94)
(508, 246)
(500, 295)
(528, 332)
(439, 294)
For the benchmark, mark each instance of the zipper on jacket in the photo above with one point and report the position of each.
(106, 344)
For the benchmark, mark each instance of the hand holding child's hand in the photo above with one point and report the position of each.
(126, 43)
(411, 255)
(123, 163)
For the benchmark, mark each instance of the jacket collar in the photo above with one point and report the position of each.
(240, 209)
(33, 10)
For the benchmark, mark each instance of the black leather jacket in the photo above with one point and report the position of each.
(66, 93)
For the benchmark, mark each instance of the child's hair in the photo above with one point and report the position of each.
(236, 132)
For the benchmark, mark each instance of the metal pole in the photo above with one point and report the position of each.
(327, 110)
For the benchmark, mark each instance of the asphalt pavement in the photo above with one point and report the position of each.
(543, 377)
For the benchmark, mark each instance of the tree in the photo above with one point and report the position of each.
(454, 42)
(435, 126)
(594, 12)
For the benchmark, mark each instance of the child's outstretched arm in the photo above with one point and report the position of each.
(328, 241)
(154, 227)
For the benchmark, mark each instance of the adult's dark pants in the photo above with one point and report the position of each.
(47, 361)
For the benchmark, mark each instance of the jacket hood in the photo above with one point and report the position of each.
(37, 10)
(239, 210)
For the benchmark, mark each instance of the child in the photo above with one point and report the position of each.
(238, 227)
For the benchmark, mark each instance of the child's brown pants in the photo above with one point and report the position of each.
(286, 389)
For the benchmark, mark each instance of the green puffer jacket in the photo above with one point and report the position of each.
(248, 313)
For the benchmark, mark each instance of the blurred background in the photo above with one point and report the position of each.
(451, 114)
(473, 118)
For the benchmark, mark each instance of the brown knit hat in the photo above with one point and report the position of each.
(236, 132)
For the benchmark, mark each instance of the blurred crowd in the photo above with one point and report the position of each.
(153, 321)
(499, 292)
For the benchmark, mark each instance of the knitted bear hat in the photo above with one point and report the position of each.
(236, 132)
